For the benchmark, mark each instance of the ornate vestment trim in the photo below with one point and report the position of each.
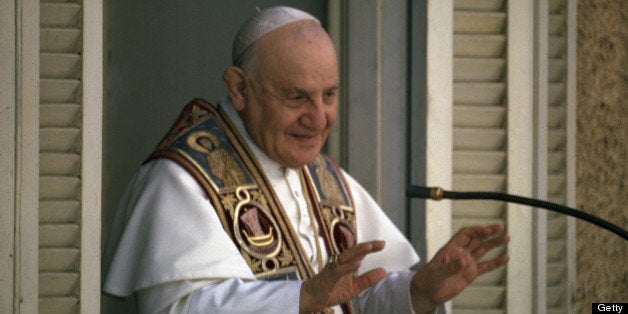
(204, 141)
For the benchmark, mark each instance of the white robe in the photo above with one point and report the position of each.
(168, 245)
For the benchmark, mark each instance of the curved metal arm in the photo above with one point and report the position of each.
(437, 193)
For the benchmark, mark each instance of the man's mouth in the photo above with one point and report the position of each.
(306, 137)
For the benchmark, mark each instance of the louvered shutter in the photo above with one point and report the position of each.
(479, 138)
(60, 157)
(558, 269)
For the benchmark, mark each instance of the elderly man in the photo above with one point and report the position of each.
(237, 211)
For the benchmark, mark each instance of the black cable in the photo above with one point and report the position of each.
(438, 194)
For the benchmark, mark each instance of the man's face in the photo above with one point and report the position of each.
(292, 103)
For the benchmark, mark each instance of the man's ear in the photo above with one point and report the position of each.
(235, 82)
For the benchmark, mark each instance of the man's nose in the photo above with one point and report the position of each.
(316, 116)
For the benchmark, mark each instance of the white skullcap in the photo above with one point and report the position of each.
(262, 23)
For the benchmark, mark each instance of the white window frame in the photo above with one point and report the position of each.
(91, 156)
(19, 160)
(520, 153)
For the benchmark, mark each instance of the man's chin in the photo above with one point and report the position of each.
(298, 162)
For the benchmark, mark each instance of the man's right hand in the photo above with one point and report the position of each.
(336, 285)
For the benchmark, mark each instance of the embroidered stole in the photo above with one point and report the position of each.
(204, 141)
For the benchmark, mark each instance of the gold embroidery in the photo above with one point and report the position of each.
(335, 213)
(221, 162)
(260, 198)
(329, 186)
(197, 114)
(252, 225)
(255, 230)
(285, 257)
(228, 202)
(247, 259)
(328, 215)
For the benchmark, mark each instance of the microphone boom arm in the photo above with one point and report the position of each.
(436, 193)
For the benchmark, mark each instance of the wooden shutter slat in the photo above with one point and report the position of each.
(479, 116)
(54, 305)
(57, 284)
(59, 164)
(482, 46)
(59, 90)
(58, 236)
(556, 24)
(556, 117)
(60, 65)
(59, 115)
(479, 161)
(59, 140)
(479, 139)
(479, 22)
(59, 188)
(556, 71)
(60, 40)
(485, 297)
(556, 46)
(479, 182)
(477, 208)
(59, 211)
(555, 161)
(478, 70)
(479, 93)
(478, 5)
(58, 259)
(59, 14)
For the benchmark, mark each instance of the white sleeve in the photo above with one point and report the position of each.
(391, 295)
(230, 296)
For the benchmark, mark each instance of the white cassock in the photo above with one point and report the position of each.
(168, 246)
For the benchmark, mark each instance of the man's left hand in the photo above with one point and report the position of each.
(456, 265)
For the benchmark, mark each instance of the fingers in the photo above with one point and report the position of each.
(482, 231)
(488, 245)
(350, 260)
(369, 278)
(495, 263)
(474, 257)
(476, 241)
(337, 284)
(479, 246)
(474, 238)
(360, 250)
(497, 228)
(457, 264)
(469, 234)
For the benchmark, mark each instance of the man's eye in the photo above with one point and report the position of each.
(330, 96)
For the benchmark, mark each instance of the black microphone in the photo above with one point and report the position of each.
(436, 193)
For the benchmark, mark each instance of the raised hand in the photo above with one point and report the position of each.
(337, 282)
(456, 265)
